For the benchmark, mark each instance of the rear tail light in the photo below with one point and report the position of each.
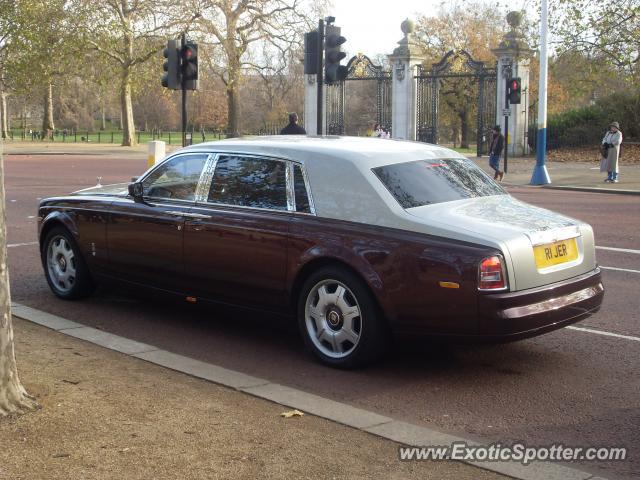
(492, 274)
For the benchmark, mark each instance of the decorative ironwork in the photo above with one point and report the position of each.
(455, 64)
(359, 67)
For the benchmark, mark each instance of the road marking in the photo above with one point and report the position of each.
(11, 245)
(620, 269)
(615, 249)
(606, 334)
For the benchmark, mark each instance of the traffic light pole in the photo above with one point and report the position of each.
(184, 99)
(319, 79)
(540, 174)
(507, 105)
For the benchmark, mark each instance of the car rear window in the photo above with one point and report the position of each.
(423, 182)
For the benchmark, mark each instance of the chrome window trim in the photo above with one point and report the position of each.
(207, 181)
(202, 190)
(291, 194)
(198, 185)
(307, 187)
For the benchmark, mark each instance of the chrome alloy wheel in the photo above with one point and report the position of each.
(333, 318)
(61, 264)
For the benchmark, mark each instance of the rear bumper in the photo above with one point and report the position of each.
(515, 315)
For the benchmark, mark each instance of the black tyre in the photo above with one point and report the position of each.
(339, 319)
(64, 267)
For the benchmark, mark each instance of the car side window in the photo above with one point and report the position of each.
(249, 182)
(300, 189)
(176, 179)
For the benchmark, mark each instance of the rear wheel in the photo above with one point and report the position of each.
(339, 319)
(65, 269)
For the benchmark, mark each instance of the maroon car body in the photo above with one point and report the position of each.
(261, 258)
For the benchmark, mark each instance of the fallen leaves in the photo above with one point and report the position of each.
(292, 413)
(630, 154)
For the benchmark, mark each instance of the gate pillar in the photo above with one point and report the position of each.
(404, 60)
(513, 61)
(311, 105)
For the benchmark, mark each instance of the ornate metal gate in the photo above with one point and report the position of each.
(360, 67)
(455, 65)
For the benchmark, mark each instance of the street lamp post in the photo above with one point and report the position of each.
(540, 174)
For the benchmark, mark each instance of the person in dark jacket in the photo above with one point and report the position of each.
(495, 150)
(293, 128)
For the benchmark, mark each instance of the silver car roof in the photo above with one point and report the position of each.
(365, 152)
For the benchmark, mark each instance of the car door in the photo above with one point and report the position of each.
(236, 251)
(145, 238)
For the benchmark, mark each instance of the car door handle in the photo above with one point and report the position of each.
(175, 213)
(197, 216)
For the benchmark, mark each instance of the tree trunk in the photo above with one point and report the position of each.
(233, 127)
(128, 127)
(464, 129)
(13, 396)
(233, 98)
(4, 120)
(103, 124)
(47, 119)
(4, 113)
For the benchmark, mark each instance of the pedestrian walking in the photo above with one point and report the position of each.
(293, 128)
(378, 131)
(610, 150)
(495, 150)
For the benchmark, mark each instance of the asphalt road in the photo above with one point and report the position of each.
(570, 386)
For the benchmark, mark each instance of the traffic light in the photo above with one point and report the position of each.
(171, 79)
(514, 90)
(189, 65)
(311, 52)
(333, 54)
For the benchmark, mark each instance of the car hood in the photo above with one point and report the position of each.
(113, 189)
(515, 227)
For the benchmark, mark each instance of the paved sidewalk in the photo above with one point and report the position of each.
(108, 415)
(571, 175)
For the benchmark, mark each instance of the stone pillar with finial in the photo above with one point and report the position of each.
(514, 55)
(404, 60)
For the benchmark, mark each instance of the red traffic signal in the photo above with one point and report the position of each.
(189, 66)
(514, 90)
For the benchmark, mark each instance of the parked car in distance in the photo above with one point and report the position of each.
(359, 238)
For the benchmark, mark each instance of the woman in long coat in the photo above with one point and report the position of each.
(611, 145)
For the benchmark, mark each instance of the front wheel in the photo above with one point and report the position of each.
(65, 269)
(339, 319)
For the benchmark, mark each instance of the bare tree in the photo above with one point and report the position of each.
(234, 27)
(128, 32)
(13, 396)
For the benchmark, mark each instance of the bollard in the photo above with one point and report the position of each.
(156, 152)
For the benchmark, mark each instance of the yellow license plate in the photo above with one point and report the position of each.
(555, 253)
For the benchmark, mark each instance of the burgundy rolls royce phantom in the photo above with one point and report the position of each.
(359, 239)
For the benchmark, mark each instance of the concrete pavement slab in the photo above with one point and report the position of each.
(43, 318)
(199, 369)
(108, 340)
(322, 407)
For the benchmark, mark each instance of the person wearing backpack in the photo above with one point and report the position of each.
(610, 149)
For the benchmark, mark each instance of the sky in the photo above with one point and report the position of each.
(373, 26)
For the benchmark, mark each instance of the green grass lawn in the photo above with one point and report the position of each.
(115, 137)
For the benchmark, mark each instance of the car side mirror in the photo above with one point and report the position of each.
(134, 179)
(136, 190)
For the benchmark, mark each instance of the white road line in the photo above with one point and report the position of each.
(606, 334)
(620, 269)
(614, 249)
(11, 245)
